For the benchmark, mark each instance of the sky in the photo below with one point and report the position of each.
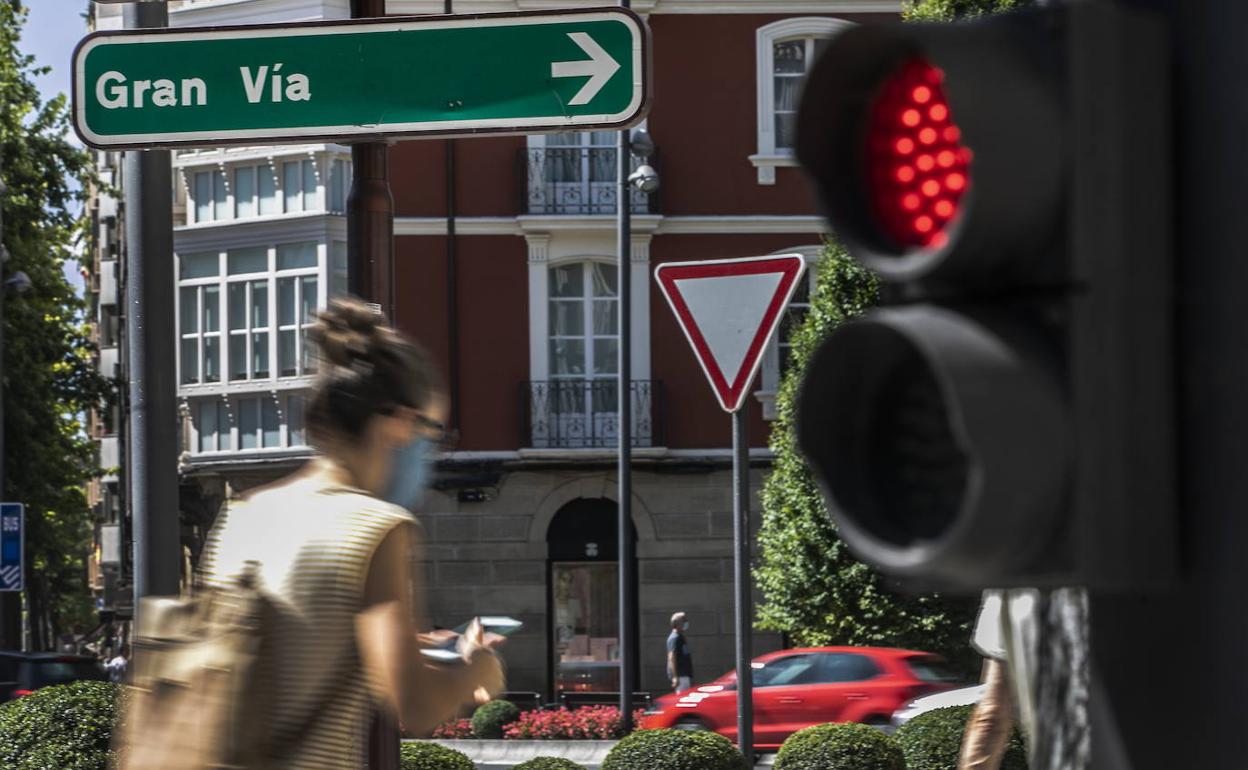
(52, 30)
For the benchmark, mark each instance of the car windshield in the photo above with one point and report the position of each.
(45, 673)
(932, 669)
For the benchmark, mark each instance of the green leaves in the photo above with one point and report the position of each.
(48, 382)
(69, 727)
(949, 10)
(419, 755)
(674, 750)
(814, 590)
(933, 741)
(842, 746)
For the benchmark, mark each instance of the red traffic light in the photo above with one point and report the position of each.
(917, 169)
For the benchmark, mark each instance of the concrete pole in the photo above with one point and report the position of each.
(152, 466)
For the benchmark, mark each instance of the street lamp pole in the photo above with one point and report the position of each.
(627, 548)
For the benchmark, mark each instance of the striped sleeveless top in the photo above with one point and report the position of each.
(313, 538)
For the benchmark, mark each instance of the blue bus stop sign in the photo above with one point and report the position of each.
(12, 546)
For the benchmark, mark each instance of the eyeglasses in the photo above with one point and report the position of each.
(446, 438)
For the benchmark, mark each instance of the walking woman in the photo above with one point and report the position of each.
(335, 545)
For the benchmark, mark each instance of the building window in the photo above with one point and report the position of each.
(339, 184)
(786, 50)
(211, 196)
(338, 269)
(268, 297)
(271, 421)
(575, 173)
(266, 184)
(584, 321)
(299, 185)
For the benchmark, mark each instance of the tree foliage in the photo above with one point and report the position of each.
(949, 10)
(814, 590)
(48, 380)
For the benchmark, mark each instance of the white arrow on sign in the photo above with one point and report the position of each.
(598, 68)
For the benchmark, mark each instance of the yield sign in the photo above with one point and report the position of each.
(728, 309)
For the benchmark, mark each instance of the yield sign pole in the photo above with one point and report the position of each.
(729, 310)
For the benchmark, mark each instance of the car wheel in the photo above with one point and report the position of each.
(690, 723)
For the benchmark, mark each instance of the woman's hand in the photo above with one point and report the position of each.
(485, 670)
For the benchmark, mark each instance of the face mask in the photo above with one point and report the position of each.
(685, 626)
(409, 473)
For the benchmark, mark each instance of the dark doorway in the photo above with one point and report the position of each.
(583, 597)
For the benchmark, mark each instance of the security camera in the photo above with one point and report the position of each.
(640, 143)
(645, 179)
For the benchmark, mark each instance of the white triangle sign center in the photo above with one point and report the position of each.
(729, 309)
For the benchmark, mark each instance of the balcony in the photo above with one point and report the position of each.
(584, 414)
(576, 181)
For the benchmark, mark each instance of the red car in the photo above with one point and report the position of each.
(809, 686)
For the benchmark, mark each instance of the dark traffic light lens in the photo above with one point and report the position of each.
(917, 469)
(917, 169)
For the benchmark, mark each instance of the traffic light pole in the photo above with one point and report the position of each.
(152, 468)
(742, 582)
(370, 275)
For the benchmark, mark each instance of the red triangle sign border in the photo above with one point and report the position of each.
(790, 267)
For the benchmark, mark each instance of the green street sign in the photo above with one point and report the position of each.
(510, 73)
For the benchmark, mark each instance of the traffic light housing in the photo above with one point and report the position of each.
(1006, 417)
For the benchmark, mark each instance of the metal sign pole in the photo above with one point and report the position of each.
(626, 551)
(741, 581)
(152, 468)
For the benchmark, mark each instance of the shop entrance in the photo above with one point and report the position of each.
(584, 597)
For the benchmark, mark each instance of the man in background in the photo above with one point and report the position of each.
(679, 661)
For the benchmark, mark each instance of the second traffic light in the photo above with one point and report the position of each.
(1006, 419)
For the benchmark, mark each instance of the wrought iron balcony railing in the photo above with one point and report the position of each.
(584, 414)
(576, 180)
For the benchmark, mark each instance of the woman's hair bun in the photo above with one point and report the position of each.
(366, 368)
(349, 332)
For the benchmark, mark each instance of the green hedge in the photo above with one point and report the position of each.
(674, 750)
(843, 746)
(933, 739)
(490, 718)
(431, 756)
(548, 763)
(68, 727)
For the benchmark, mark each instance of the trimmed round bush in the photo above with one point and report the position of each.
(933, 739)
(674, 750)
(68, 727)
(419, 755)
(490, 718)
(842, 746)
(548, 763)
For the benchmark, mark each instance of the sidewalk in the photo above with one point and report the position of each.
(501, 755)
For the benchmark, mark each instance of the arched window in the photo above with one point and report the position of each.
(786, 51)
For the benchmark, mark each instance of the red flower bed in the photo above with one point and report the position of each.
(585, 723)
(454, 729)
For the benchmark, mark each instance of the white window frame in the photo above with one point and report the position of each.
(229, 408)
(770, 374)
(223, 280)
(769, 157)
(218, 212)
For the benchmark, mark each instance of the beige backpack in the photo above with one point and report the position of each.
(201, 695)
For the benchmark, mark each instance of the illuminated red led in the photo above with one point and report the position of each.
(915, 198)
